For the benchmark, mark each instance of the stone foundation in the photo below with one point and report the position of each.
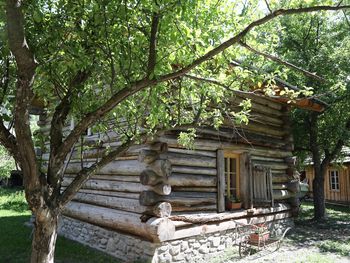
(129, 248)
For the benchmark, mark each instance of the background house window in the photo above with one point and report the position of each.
(231, 175)
(334, 180)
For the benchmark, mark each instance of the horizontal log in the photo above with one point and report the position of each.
(178, 198)
(229, 215)
(125, 167)
(193, 170)
(260, 117)
(193, 152)
(189, 160)
(266, 120)
(125, 204)
(148, 177)
(265, 109)
(279, 186)
(199, 208)
(236, 135)
(162, 209)
(264, 129)
(155, 229)
(213, 145)
(110, 193)
(273, 165)
(266, 159)
(102, 147)
(282, 194)
(94, 184)
(109, 185)
(194, 189)
(280, 178)
(93, 160)
(206, 228)
(121, 178)
(177, 179)
(262, 100)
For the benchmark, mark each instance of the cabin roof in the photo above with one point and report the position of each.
(313, 104)
(344, 158)
(307, 103)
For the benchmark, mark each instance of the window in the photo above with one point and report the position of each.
(231, 175)
(334, 180)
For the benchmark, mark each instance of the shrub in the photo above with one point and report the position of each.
(7, 163)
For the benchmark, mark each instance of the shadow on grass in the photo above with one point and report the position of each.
(15, 244)
(331, 234)
(16, 238)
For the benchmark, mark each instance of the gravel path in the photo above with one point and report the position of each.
(290, 253)
(300, 246)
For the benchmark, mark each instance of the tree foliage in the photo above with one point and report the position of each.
(321, 44)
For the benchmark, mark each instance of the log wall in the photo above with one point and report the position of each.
(162, 178)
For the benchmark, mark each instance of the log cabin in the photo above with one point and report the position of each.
(337, 180)
(162, 202)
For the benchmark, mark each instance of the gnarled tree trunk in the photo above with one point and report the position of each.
(44, 237)
(318, 193)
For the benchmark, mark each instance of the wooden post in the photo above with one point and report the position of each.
(220, 166)
(244, 180)
(251, 184)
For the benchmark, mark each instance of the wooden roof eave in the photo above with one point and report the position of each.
(303, 103)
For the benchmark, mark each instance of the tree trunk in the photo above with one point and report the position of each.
(44, 238)
(318, 193)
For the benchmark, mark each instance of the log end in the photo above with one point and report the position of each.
(166, 230)
(162, 209)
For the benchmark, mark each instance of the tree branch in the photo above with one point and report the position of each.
(136, 86)
(85, 173)
(215, 82)
(152, 56)
(329, 156)
(276, 59)
(56, 132)
(26, 66)
(5, 80)
(234, 40)
(9, 141)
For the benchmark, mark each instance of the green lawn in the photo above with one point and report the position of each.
(15, 237)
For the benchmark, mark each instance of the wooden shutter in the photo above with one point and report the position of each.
(262, 185)
(221, 180)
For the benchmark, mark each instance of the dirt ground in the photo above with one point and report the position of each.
(309, 242)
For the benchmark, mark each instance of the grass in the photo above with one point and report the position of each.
(338, 247)
(15, 237)
(317, 258)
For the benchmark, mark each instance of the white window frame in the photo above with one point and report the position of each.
(334, 185)
(228, 157)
